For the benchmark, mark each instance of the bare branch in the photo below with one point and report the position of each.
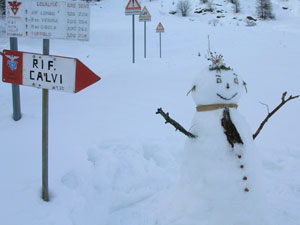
(174, 123)
(283, 101)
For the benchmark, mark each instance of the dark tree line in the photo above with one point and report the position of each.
(2, 7)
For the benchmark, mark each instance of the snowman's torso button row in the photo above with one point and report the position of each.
(245, 178)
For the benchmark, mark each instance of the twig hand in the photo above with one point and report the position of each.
(174, 123)
(283, 101)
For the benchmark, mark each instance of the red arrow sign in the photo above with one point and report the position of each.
(46, 71)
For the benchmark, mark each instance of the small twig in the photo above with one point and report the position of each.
(283, 101)
(266, 106)
(192, 89)
(245, 86)
(174, 123)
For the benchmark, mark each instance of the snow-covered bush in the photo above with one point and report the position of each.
(250, 23)
(264, 9)
(184, 6)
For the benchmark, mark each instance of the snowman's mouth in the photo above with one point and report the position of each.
(227, 98)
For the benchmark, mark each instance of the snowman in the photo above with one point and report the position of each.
(219, 182)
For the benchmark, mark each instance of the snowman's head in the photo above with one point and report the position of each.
(217, 87)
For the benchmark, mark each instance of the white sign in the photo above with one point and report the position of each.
(50, 72)
(15, 18)
(65, 19)
(46, 71)
(145, 16)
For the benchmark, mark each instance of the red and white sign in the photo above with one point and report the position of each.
(160, 28)
(15, 18)
(46, 71)
(14, 6)
(133, 8)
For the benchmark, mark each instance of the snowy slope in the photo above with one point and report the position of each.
(111, 158)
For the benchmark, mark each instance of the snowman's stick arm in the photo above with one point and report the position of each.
(174, 123)
(283, 101)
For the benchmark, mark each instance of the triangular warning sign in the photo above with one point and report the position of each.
(133, 8)
(160, 28)
(145, 13)
(133, 5)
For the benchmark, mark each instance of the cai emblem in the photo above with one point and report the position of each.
(14, 5)
(11, 63)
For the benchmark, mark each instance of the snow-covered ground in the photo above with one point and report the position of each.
(111, 158)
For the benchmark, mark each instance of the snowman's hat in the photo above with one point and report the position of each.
(217, 62)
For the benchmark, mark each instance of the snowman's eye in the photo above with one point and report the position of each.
(236, 81)
(219, 80)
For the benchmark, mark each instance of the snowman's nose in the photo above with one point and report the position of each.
(227, 86)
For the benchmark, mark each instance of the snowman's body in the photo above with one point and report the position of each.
(219, 182)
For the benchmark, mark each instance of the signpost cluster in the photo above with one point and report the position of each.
(45, 19)
(133, 8)
(49, 19)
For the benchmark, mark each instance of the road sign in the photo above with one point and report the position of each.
(46, 71)
(133, 8)
(160, 28)
(145, 16)
(46, 19)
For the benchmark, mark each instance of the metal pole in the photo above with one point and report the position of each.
(15, 88)
(133, 56)
(45, 111)
(160, 44)
(144, 39)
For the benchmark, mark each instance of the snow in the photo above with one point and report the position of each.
(112, 161)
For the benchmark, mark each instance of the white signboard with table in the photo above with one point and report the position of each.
(68, 20)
